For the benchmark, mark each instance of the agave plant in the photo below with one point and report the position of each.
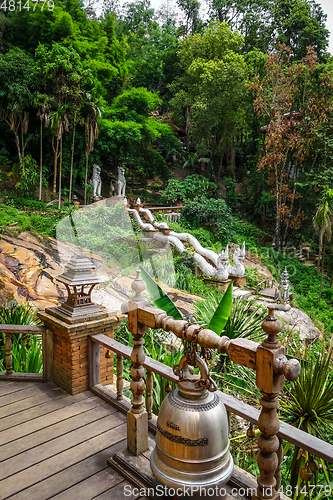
(244, 321)
(307, 403)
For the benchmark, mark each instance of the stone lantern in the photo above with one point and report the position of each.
(79, 279)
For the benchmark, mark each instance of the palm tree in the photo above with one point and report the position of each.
(91, 112)
(72, 159)
(44, 115)
(59, 122)
(322, 222)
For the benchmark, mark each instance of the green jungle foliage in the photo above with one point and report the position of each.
(27, 353)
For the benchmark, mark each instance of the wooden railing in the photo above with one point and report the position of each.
(287, 432)
(267, 359)
(269, 283)
(47, 352)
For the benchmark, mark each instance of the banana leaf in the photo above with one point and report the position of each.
(159, 297)
(222, 313)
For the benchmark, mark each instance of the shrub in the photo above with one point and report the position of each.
(193, 186)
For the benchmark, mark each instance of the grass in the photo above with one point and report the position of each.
(22, 221)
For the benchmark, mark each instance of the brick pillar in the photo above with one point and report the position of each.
(70, 347)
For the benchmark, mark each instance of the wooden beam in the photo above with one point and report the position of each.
(24, 329)
(22, 377)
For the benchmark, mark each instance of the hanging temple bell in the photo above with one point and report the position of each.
(192, 443)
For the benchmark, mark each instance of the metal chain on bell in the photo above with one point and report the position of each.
(191, 346)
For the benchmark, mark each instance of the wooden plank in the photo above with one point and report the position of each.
(57, 483)
(124, 405)
(29, 402)
(92, 424)
(48, 355)
(22, 377)
(60, 462)
(149, 363)
(112, 345)
(117, 493)
(31, 390)
(243, 352)
(67, 420)
(4, 382)
(24, 329)
(37, 411)
(94, 485)
(94, 363)
(319, 448)
(12, 387)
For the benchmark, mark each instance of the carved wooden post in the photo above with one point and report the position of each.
(278, 470)
(272, 367)
(149, 394)
(8, 348)
(120, 382)
(137, 417)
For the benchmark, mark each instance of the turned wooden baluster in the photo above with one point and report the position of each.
(277, 474)
(120, 382)
(149, 394)
(272, 368)
(137, 417)
(8, 348)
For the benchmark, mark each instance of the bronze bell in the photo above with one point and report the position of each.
(192, 443)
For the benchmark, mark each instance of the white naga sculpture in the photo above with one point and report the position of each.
(223, 265)
(121, 181)
(239, 255)
(97, 181)
(220, 268)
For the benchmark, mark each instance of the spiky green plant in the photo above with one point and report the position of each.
(244, 321)
(18, 314)
(307, 402)
(26, 349)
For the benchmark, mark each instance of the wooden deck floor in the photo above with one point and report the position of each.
(53, 445)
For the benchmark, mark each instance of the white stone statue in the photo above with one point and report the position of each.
(223, 265)
(138, 201)
(125, 201)
(239, 255)
(121, 181)
(97, 181)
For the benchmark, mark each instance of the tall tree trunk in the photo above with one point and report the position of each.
(22, 140)
(18, 145)
(232, 159)
(321, 239)
(278, 215)
(72, 163)
(87, 158)
(41, 161)
(60, 169)
(321, 277)
(54, 192)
